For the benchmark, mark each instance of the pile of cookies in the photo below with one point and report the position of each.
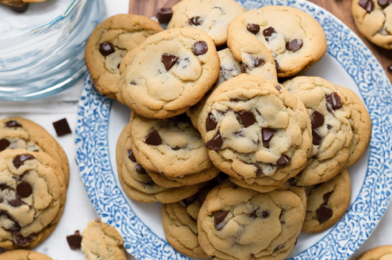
(240, 162)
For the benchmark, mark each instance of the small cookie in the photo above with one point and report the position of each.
(136, 182)
(327, 203)
(211, 16)
(238, 223)
(256, 132)
(102, 241)
(21, 133)
(295, 39)
(374, 21)
(169, 72)
(331, 128)
(378, 253)
(109, 43)
(23, 255)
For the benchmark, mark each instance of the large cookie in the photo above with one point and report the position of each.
(256, 131)
(331, 128)
(211, 16)
(169, 72)
(295, 39)
(378, 253)
(109, 43)
(23, 255)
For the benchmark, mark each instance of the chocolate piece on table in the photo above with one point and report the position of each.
(75, 240)
(62, 127)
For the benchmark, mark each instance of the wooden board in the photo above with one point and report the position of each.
(340, 8)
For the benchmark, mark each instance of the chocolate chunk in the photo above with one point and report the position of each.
(219, 218)
(131, 155)
(326, 197)
(259, 171)
(17, 202)
(368, 5)
(75, 240)
(247, 118)
(265, 214)
(153, 138)
(20, 9)
(324, 213)
(292, 181)
(4, 143)
(222, 47)
(200, 48)
(24, 189)
(383, 3)
(4, 186)
(243, 68)
(283, 160)
(253, 28)
(140, 169)
(20, 240)
(277, 66)
(62, 127)
(316, 138)
(164, 15)
(169, 60)
(210, 122)
(176, 148)
(329, 126)
(278, 87)
(258, 62)
(215, 143)
(390, 68)
(106, 48)
(294, 45)
(267, 134)
(196, 21)
(12, 124)
(269, 31)
(317, 119)
(334, 101)
(188, 201)
(279, 247)
(20, 159)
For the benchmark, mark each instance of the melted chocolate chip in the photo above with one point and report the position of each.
(247, 118)
(200, 48)
(215, 143)
(219, 218)
(258, 62)
(164, 15)
(153, 138)
(62, 127)
(265, 214)
(169, 60)
(279, 247)
(16, 203)
(176, 148)
(12, 124)
(317, 119)
(333, 101)
(196, 21)
(324, 213)
(210, 122)
(75, 240)
(292, 181)
(186, 202)
(140, 169)
(253, 28)
(278, 87)
(326, 197)
(24, 189)
(329, 127)
(106, 48)
(267, 134)
(20, 159)
(131, 155)
(20, 240)
(368, 5)
(283, 160)
(4, 143)
(294, 45)
(20, 9)
(383, 3)
(277, 66)
(243, 68)
(316, 138)
(222, 47)
(4, 186)
(269, 31)
(259, 171)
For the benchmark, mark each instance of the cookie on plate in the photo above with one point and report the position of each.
(23, 255)
(100, 239)
(169, 72)
(378, 253)
(331, 129)
(295, 39)
(256, 132)
(211, 16)
(231, 220)
(136, 181)
(374, 21)
(109, 43)
(327, 203)
(21, 133)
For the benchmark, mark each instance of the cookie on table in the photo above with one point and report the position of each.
(231, 218)
(327, 203)
(211, 16)
(374, 21)
(21, 133)
(32, 198)
(169, 72)
(23, 255)
(137, 183)
(378, 253)
(329, 112)
(102, 240)
(256, 132)
(109, 43)
(296, 40)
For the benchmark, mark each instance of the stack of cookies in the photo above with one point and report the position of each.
(240, 162)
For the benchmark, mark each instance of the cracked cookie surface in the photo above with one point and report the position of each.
(23, 255)
(378, 253)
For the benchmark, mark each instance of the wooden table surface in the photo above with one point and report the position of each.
(340, 8)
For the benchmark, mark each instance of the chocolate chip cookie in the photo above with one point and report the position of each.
(101, 241)
(239, 223)
(256, 132)
(169, 72)
(331, 129)
(21, 133)
(211, 16)
(23, 255)
(109, 43)
(295, 39)
(378, 253)
(374, 21)
(327, 203)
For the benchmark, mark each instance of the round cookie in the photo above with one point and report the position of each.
(100, 239)
(23, 255)
(136, 182)
(331, 129)
(256, 132)
(169, 72)
(211, 16)
(378, 253)
(109, 43)
(327, 203)
(295, 39)
(374, 21)
(238, 223)
(21, 133)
